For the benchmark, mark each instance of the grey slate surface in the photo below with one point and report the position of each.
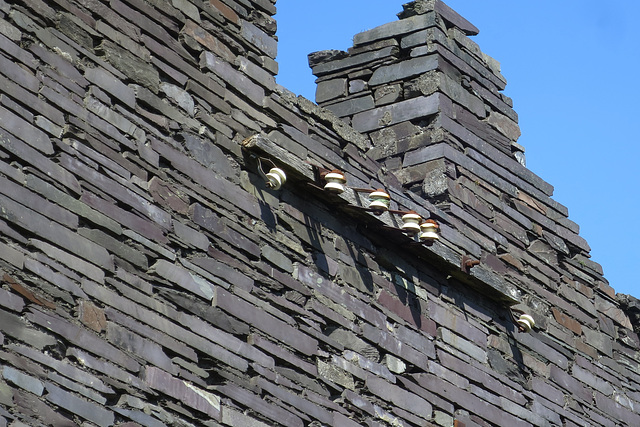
(150, 277)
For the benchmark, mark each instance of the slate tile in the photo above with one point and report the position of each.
(189, 236)
(22, 380)
(236, 418)
(152, 334)
(13, 145)
(73, 262)
(146, 17)
(233, 77)
(11, 301)
(56, 279)
(207, 153)
(127, 219)
(189, 395)
(6, 397)
(282, 353)
(226, 11)
(309, 408)
(273, 103)
(468, 401)
(331, 290)
(213, 93)
(418, 340)
(184, 279)
(329, 89)
(65, 368)
(209, 220)
(454, 320)
(265, 43)
(161, 323)
(394, 346)
(403, 70)
(270, 410)
(282, 278)
(396, 28)
(208, 179)
(396, 113)
(19, 75)
(26, 131)
(400, 397)
(609, 406)
(39, 411)
(139, 418)
(9, 47)
(131, 66)
(463, 345)
(572, 385)
(265, 322)
(115, 246)
(225, 271)
(118, 191)
(352, 62)
(226, 340)
(82, 338)
(209, 41)
(81, 407)
(110, 370)
(142, 348)
(18, 328)
(351, 106)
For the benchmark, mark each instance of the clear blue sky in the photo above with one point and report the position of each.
(572, 71)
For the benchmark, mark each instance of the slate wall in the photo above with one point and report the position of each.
(150, 277)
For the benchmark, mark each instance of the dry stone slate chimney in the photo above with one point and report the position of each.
(150, 276)
(424, 93)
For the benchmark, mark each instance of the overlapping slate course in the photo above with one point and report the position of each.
(150, 277)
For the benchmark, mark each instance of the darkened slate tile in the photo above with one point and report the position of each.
(107, 369)
(82, 338)
(235, 78)
(268, 409)
(304, 405)
(64, 367)
(142, 348)
(115, 246)
(265, 322)
(212, 314)
(152, 334)
(139, 418)
(41, 411)
(16, 327)
(54, 278)
(76, 405)
(175, 330)
(127, 219)
(212, 222)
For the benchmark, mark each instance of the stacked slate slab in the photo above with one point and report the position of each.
(151, 277)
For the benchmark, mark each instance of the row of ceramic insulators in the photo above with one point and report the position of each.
(379, 201)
